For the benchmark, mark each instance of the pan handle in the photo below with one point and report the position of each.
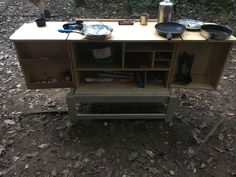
(169, 36)
(211, 36)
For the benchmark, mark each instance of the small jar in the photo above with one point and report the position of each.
(144, 19)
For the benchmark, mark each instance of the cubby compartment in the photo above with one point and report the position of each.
(157, 79)
(199, 65)
(138, 59)
(42, 50)
(109, 82)
(162, 60)
(97, 55)
(45, 64)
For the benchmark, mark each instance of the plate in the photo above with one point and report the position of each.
(191, 24)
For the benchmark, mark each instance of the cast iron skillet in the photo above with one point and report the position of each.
(170, 29)
(215, 32)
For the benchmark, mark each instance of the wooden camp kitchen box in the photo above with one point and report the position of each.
(50, 59)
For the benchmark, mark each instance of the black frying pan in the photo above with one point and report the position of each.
(215, 32)
(170, 29)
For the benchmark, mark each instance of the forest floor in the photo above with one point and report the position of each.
(47, 144)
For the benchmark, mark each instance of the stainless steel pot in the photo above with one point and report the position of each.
(101, 53)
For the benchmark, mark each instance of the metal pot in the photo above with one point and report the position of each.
(101, 53)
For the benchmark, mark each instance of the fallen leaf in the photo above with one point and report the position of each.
(100, 152)
(26, 166)
(150, 153)
(153, 170)
(172, 173)
(203, 165)
(54, 171)
(15, 158)
(30, 155)
(43, 146)
(221, 137)
(5, 171)
(2, 149)
(9, 122)
(133, 156)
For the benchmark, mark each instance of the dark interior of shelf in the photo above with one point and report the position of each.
(157, 78)
(162, 64)
(57, 72)
(163, 55)
(86, 57)
(121, 108)
(41, 50)
(138, 59)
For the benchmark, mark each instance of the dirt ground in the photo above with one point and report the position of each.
(48, 144)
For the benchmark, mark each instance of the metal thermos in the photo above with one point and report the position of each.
(165, 11)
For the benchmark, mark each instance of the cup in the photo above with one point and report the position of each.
(41, 22)
(144, 19)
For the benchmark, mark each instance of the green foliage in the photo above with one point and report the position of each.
(130, 5)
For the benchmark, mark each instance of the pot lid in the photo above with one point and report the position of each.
(191, 24)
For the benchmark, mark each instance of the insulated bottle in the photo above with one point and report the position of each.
(165, 11)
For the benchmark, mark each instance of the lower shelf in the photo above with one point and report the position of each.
(115, 89)
(194, 86)
(49, 85)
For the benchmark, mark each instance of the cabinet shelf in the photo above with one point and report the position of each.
(204, 86)
(119, 89)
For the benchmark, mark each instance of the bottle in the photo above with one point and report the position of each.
(165, 11)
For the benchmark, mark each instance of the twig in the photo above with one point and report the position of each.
(212, 131)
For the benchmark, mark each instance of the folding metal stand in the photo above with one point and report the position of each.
(170, 100)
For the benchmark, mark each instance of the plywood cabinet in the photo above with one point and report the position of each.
(138, 64)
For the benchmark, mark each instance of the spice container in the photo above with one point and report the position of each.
(144, 19)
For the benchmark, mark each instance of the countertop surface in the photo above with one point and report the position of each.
(135, 32)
